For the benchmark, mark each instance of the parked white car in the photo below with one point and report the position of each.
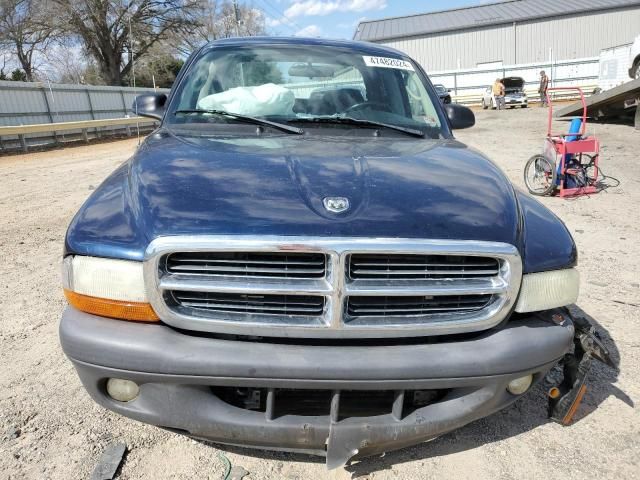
(634, 59)
(514, 94)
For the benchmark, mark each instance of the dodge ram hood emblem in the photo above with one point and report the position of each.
(336, 204)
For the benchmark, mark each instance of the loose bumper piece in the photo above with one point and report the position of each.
(565, 398)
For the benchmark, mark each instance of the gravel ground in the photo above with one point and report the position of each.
(49, 428)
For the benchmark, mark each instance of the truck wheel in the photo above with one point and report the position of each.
(637, 118)
(636, 72)
(484, 105)
(523, 106)
(540, 175)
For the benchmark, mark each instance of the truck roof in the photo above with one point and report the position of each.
(364, 47)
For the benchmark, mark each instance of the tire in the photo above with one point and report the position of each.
(484, 105)
(524, 106)
(636, 72)
(540, 175)
(493, 104)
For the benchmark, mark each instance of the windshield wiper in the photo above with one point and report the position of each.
(245, 118)
(357, 121)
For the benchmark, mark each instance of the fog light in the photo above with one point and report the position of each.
(122, 390)
(520, 385)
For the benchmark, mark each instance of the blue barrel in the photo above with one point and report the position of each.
(574, 134)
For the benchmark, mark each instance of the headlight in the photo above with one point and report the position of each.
(545, 290)
(106, 287)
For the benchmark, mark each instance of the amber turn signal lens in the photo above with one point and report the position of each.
(574, 408)
(104, 307)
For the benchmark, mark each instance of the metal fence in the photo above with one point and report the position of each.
(28, 103)
(467, 86)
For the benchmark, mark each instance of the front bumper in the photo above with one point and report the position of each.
(176, 372)
(515, 102)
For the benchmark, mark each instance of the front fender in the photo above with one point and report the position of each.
(546, 241)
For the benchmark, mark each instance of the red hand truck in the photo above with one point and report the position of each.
(568, 165)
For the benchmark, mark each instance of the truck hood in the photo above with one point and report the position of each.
(275, 185)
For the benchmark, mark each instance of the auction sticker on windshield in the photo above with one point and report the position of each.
(386, 62)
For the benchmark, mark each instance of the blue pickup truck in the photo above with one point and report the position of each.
(302, 257)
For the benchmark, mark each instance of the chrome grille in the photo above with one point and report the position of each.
(247, 264)
(252, 304)
(331, 287)
(407, 267)
(414, 305)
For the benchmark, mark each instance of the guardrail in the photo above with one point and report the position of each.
(83, 126)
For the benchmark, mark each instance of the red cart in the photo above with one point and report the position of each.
(569, 162)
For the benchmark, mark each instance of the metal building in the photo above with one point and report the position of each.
(510, 32)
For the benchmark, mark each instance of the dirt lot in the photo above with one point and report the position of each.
(49, 428)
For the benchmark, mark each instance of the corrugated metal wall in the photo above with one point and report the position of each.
(459, 49)
(26, 103)
(569, 37)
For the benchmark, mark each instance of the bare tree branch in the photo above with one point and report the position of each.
(112, 30)
(29, 28)
(218, 20)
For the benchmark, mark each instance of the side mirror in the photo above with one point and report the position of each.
(459, 116)
(150, 105)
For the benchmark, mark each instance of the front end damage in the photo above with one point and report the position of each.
(565, 397)
(343, 402)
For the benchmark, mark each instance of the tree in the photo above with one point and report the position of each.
(159, 69)
(18, 76)
(29, 28)
(71, 64)
(219, 20)
(116, 33)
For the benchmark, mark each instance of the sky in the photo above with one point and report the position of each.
(339, 18)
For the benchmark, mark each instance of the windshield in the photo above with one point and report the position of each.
(294, 84)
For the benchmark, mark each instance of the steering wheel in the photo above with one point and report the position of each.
(368, 104)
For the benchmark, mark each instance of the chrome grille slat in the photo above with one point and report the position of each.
(407, 311)
(399, 273)
(249, 301)
(392, 264)
(251, 262)
(231, 270)
(264, 309)
(402, 302)
(331, 287)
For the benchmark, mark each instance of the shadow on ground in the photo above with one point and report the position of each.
(528, 413)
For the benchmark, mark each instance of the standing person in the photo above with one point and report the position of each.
(542, 89)
(498, 93)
